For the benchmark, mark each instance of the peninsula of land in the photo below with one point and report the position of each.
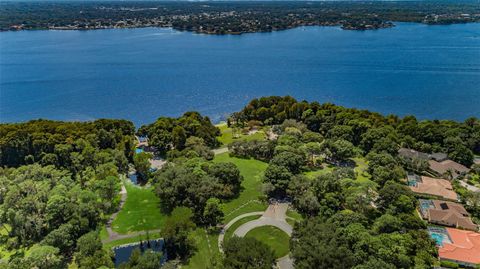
(230, 17)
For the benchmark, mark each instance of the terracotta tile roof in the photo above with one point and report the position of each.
(465, 247)
(436, 187)
(444, 166)
(450, 214)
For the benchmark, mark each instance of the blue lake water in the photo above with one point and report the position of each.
(140, 74)
(123, 252)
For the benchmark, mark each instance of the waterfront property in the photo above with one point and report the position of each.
(438, 162)
(459, 246)
(413, 180)
(143, 146)
(413, 154)
(446, 213)
(448, 168)
(436, 187)
(439, 235)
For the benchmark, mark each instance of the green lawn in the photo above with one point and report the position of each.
(103, 233)
(277, 239)
(291, 221)
(4, 253)
(207, 250)
(240, 222)
(361, 166)
(294, 215)
(252, 172)
(315, 173)
(138, 238)
(227, 135)
(140, 212)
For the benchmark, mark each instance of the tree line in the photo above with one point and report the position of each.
(58, 182)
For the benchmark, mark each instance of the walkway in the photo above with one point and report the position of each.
(469, 187)
(111, 234)
(220, 150)
(229, 224)
(275, 215)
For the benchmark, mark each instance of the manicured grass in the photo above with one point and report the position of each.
(4, 253)
(240, 222)
(207, 250)
(250, 207)
(103, 233)
(227, 135)
(138, 238)
(252, 172)
(361, 166)
(140, 212)
(291, 221)
(315, 173)
(278, 240)
(294, 215)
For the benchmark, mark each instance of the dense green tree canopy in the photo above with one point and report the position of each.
(172, 133)
(247, 253)
(192, 183)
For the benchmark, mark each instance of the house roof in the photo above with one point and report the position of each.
(435, 186)
(411, 153)
(438, 156)
(464, 246)
(450, 214)
(444, 166)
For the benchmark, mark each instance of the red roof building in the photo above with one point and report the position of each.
(463, 248)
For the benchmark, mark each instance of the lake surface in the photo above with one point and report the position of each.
(122, 253)
(141, 74)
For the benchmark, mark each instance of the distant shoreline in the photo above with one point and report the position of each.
(230, 18)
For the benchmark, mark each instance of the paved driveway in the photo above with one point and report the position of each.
(275, 215)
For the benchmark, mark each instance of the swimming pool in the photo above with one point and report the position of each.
(413, 180)
(425, 205)
(440, 235)
(138, 150)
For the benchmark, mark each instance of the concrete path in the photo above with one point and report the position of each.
(130, 235)
(112, 235)
(275, 215)
(220, 150)
(285, 262)
(245, 228)
(469, 187)
(230, 223)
